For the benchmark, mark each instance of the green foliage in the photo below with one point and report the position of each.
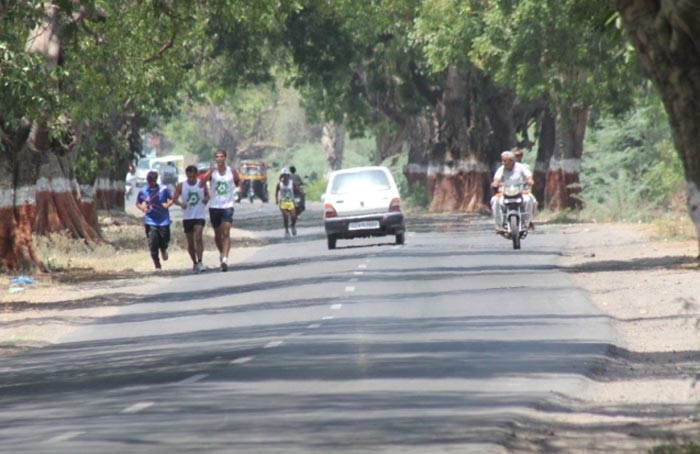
(631, 170)
(412, 198)
(688, 447)
(315, 189)
(310, 161)
(26, 83)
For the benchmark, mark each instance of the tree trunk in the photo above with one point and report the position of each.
(388, 143)
(546, 144)
(666, 36)
(117, 144)
(38, 191)
(563, 188)
(57, 207)
(333, 141)
(419, 132)
(17, 206)
(469, 135)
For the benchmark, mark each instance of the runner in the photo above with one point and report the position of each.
(224, 182)
(154, 200)
(284, 197)
(194, 201)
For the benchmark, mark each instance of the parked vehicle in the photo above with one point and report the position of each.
(147, 164)
(362, 202)
(514, 228)
(202, 168)
(253, 176)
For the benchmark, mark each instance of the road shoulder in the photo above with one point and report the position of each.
(644, 392)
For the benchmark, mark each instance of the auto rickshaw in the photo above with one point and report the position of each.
(253, 176)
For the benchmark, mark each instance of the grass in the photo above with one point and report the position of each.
(685, 448)
(123, 252)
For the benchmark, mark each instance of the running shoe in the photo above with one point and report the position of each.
(164, 253)
(294, 230)
(224, 267)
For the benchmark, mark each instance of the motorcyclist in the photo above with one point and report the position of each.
(510, 172)
(518, 153)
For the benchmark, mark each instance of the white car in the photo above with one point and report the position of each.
(362, 202)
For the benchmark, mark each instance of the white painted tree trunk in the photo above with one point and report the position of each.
(333, 141)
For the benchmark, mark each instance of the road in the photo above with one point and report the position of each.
(437, 346)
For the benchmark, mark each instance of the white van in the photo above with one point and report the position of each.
(145, 165)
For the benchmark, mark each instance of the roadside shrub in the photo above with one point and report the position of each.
(414, 198)
(631, 170)
(686, 448)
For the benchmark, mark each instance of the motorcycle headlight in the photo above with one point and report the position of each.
(511, 190)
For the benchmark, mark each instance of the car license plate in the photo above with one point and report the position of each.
(363, 225)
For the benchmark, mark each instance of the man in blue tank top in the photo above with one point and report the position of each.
(154, 200)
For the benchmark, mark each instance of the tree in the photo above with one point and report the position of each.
(666, 36)
(37, 144)
(79, 74)
(565, 55)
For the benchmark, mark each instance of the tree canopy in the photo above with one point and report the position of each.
(454, 79)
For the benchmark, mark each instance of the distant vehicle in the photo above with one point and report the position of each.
(203, 168)
(145, 165)
(362, 202)
(253, 176)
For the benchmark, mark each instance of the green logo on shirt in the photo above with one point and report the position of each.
(221, 188)
(192, 198)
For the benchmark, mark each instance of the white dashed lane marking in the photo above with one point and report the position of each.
(328, 317)
(358, 273)
(64, 437)
(137, 407)
(335, 307)
(314, 326)
(273, 344)
(192, 379)
(242, 360)
(362, 266)
(350, 288)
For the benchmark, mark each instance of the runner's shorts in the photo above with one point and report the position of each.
(188, 224)
(219, 215)
(287, 205)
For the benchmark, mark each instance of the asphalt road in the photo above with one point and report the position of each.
(437, 346)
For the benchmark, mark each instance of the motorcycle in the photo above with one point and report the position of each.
(513, 213)
(251, 192)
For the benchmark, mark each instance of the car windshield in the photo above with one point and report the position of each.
(143, 164)
(365, 181)
(252, 171)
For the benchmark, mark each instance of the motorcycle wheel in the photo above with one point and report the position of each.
(514, 232)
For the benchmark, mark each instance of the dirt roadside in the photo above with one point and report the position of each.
(644, 394)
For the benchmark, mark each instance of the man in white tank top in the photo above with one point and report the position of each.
(284, 197)
(194, 203)
(224, 182)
